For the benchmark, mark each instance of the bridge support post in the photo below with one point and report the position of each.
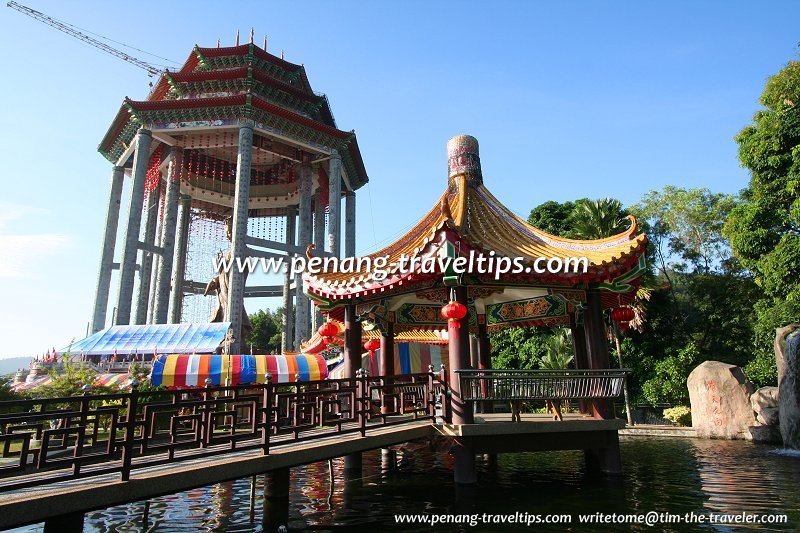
(464, 467)
(606, 460)
(276, 499)
(65, 523)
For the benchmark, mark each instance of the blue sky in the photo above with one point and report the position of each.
(567, 99)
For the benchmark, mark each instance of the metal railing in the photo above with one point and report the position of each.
(49, 440)
(478, 385)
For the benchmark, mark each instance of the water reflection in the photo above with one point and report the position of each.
(663, 475)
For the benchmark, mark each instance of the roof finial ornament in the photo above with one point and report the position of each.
(217, 42)
(463, 158)
(265, 43)
(237, 37)
(252, 33)
(281, 54)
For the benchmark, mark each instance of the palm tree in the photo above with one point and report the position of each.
(598, 219)
(558, 350)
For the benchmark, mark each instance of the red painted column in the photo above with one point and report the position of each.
(352, 342)
(597, 347)
(458, 348)
(581, 357)
(387, 362)
(484, 361)
(352, 362)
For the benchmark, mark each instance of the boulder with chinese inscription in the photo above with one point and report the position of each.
(720, 398)
(787, 353)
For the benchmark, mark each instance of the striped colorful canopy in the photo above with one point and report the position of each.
(185, 370)
(117, 381)
(38, 381)
(409, 358)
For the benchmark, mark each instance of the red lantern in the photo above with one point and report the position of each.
(622, 314)
(453, 312)
(372, 345)
(624, 326)
(328, 331)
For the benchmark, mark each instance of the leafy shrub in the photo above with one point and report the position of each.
(680, 415)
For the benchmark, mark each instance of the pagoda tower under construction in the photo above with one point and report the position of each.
(235, 136)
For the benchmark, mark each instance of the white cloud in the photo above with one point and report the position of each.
(21, 255)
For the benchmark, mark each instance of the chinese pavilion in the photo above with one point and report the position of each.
(467, 218)
(236, 135)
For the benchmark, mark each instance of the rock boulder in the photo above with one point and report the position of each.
(787, 353)
(720, 398)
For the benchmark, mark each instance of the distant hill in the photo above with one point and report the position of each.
(10, 365)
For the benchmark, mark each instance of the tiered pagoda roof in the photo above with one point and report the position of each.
(219, 85)
(468, 218)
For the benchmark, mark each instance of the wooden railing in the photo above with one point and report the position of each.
(49, 440)
(477, 385)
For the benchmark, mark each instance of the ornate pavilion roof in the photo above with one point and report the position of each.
(216, 85)
(469, 215)
(468, 218)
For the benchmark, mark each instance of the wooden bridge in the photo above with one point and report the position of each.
(62, 457)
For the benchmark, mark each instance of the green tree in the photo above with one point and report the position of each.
(518, 348)
(687, 224)
(598, 219)
(764, 229)
(553, 217)
(267, 327)
(558, 351)
(70, 379)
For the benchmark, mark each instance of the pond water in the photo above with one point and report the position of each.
(670, 475)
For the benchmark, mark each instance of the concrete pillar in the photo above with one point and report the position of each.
(484, 361)
(107, 254)
(302, 324)
(597, 347)
(151, 306)
(350, 224)
(150, 223)
(276, 499)
(241, 201)
(458, 353)
(179, 259)
(464, 467)
(287, 337)
(387, 362)
(161, 303)
(319, 242)
(127, 273)
(334, 204)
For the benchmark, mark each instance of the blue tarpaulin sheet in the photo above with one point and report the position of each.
(151, 338)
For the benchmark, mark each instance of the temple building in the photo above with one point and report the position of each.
(468, 222)
(235, 138)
